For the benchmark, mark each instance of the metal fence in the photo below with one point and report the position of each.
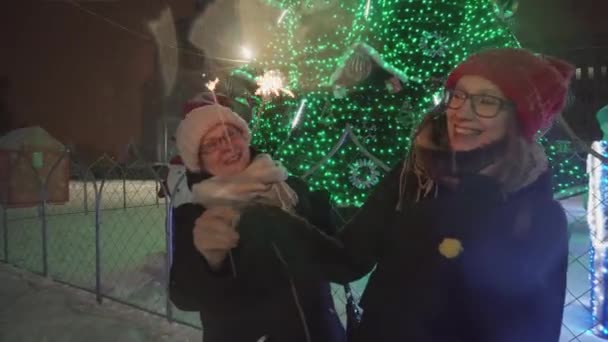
(112, 236)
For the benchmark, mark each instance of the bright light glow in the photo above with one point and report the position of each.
(247, 53)
(296, 119)
(437, 98)
(211, 84)
(271, 83)
(368, 5)
(598, 229)
(281, 17)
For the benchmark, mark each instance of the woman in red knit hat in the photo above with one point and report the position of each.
(466, 240)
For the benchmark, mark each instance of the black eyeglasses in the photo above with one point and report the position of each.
(485, 106)
(213, 144)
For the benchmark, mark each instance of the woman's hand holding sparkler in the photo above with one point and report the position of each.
(214, 234)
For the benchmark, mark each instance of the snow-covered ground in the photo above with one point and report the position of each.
(133, 245)
(34, 309)
(131, 235)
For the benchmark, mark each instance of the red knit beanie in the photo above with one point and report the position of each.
(538, 85)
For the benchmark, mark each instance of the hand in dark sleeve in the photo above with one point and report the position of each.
(364, 235)
(311, 252)
(317, 208)
(323, 214)
(193, 285)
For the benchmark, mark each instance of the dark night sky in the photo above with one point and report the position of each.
(84, 80)
(74, 74)
(561, 24)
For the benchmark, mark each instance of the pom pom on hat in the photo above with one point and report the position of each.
(197, 123)
(538, 85)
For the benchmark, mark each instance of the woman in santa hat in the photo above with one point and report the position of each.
(463, 239)
(174, 182)
(225, 267)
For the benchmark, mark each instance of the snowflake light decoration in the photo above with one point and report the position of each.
(433, 44)
(406, 116)
(364, 174)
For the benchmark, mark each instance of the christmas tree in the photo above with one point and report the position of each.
(356, 78)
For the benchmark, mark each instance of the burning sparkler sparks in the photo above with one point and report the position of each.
(271, 83)
(211, 86)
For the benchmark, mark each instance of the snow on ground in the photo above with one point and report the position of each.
(132, 244)
(133, 251)
(36, 309)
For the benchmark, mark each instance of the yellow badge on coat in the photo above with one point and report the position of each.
(450, 248)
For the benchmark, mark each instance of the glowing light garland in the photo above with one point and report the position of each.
(568, 168)
(598, 229)
(308, 52)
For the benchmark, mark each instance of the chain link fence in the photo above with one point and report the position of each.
(583, 312)
(111, 235)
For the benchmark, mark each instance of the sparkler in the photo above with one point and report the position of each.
(271, 83)
(211, 86)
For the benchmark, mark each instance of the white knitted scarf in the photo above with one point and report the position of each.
(262, 182)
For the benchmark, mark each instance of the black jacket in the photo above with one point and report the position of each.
(264, 299)
(507, 285)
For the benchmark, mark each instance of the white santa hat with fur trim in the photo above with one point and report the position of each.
(197, 123)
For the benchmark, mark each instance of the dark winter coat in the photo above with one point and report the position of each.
(264, 299)
(507, 285)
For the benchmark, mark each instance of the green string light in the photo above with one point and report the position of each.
(569, 169)
(422, 39)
